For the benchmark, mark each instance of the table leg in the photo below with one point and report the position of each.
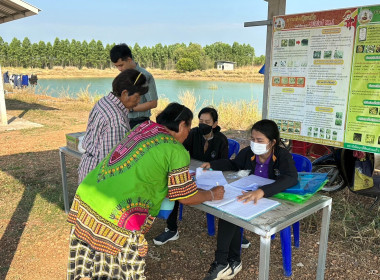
(323, 242)
(64, 181)
(264, 257)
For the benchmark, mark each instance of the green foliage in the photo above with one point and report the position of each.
(95, 55)
(186, 65)
(3, 51)
(243, 55)
(260, 60)
(190, 58)
(14, 53)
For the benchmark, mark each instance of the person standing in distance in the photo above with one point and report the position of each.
(121, 57)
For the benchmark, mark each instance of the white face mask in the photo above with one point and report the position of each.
(258, 148)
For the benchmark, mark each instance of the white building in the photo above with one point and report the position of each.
(225, 65)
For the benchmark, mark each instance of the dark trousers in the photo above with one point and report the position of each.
(228, 245)
(136, 121)
(171, 222)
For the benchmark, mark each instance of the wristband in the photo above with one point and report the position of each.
(212, 195)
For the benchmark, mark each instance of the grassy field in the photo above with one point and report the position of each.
(34, 232)
(246, 74)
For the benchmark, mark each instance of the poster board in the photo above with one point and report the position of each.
(325, 77)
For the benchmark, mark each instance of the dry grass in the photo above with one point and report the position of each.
(188, 99)
(239, 115)
(64, 73)
(85, 96)
(25, 94)
(162, 103)
(245, 74)
(356, 224)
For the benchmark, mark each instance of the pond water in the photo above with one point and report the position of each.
(206, 92)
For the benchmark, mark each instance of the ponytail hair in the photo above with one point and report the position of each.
(173, 115)
(131, 80)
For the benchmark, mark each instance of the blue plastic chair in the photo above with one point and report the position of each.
(233, 149)
(303, 164)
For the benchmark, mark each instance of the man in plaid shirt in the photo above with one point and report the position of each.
(108, 121)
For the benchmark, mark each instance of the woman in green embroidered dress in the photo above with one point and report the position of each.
(117, 202)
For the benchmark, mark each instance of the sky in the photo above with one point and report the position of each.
(149, 22)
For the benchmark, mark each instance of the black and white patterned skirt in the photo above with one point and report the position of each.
(86, 262)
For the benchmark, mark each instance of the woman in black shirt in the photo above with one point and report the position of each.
(265, 158)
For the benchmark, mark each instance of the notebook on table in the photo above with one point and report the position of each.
(246, 211)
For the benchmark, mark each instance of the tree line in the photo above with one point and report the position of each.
(94, 54)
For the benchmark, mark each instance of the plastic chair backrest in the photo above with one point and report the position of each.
(303, 164)
(233, 147)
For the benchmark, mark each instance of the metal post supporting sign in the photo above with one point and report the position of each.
(275, 8)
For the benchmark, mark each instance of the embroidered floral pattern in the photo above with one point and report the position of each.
(131, 214)
(135, 145)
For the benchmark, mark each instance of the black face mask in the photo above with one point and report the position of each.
(205, 129)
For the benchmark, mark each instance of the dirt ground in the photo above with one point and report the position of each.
(34, 233)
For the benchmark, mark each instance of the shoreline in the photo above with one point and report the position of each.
(246, 74)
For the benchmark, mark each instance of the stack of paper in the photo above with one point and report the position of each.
(246, 211)
(207, 179)
(251, 182)
(230, 195)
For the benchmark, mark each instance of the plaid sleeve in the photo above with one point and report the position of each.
(180, 184)
(111, 136)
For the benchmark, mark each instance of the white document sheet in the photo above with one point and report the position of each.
(230, 195)
(204, 187)
(210, 177)
(207, 179)
(249, 210)
(251, 182)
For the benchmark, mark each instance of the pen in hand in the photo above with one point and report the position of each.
(218, 192)
(206, 166)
